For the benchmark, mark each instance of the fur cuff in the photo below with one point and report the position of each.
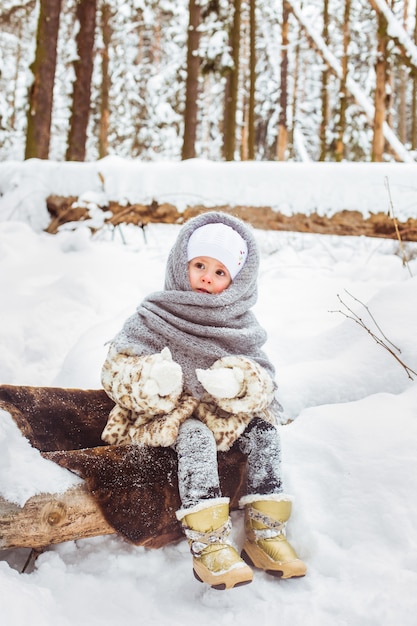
(256, 497)
(200, 506)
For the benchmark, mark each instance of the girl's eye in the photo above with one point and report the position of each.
(220, 273)
(199, 266)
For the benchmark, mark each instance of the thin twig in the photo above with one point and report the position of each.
(358, 320)
(373, 319)
(397, 230)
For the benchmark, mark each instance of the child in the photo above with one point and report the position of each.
(187, 370)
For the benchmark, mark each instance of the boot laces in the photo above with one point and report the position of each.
(274, 527)
(200, 540)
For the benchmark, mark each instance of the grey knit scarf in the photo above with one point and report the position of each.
(199, 328)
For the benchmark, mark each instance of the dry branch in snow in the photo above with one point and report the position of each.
(381, 341)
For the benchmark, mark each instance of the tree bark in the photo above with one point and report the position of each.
(295, 88)
(378, 141)
(80, 112)
(282, 143)
(51, 518)
(103, 143)
(402, 89)
(324, 88)
(244, 83)
(414, 99)
(343, 103)
(39, 116)
(231, 94)
(252, 79)
(12, 120)
(191, 84)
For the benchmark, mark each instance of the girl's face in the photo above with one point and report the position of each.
(208, 275)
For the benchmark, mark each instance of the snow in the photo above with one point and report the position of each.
(23, 472)
(395, 29)
(288, 187)
(349, 452)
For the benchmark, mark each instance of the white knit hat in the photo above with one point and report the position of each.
(220, 242)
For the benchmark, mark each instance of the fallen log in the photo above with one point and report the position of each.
(130, 490)
(47, 519)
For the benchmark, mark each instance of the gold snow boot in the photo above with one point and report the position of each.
(215, 561)
(266, 546)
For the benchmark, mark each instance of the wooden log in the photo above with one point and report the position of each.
(47, 519)
(136, 487)
(128, 489)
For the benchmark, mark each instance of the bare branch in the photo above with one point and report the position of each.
(358, 320)
(392, 214)
(373, 319)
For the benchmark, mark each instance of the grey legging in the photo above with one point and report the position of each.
(198, 477)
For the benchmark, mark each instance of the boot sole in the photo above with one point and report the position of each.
(295, 569)
(232, 580)
(223, 586)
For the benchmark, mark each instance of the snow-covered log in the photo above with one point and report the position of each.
(131, 490)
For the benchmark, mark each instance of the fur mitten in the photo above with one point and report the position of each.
(126, 427)
(226, 427)
(116, 430)
(238, 385)
(162, 430)
(149, 383)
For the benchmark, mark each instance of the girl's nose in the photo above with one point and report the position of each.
(206, 278)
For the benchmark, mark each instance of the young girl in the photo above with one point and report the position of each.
(187, 370)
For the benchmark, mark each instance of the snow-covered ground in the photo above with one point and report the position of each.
(350, 453)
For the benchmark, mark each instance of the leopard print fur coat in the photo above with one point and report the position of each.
(154, 420)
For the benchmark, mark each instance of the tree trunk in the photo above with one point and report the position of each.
(80, 112)
(400, 152)
(39, 116)
(191, 84)
(402, 89)
(343, 103)
(252, 79)
(414, 99)
(295, 88)
(324, 88)
(283, 98)
(378, 142)
(105, 82)
(244, 81)
(12, 120)
(231, 95)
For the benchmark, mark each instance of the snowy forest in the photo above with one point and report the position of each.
(120, 120)
(324, 80)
